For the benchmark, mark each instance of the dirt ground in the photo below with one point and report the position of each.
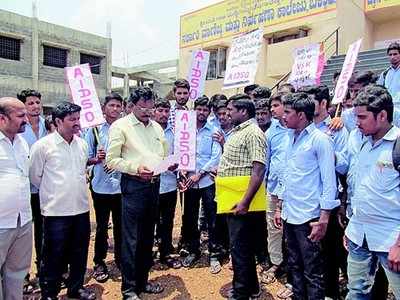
(195, 283)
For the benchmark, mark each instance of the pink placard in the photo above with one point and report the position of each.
(197, 73)
(83, 92)
(347, 70)
(185, 139)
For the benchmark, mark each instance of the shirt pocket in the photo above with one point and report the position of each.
(204, 144)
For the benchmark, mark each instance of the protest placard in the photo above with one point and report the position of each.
(308, 65)
(347, 70)
(185, 139)
(197, 73)
(242, 62)
(83, 91)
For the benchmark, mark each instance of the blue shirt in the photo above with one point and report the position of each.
(392, 83)
(339, 137)
(102, 183)
(277, 139)
(349, 118)
(345, 162)
(213, 120)
(168, 178)
(208, 153)
(309, 181)
(376, 199)
(31, 138)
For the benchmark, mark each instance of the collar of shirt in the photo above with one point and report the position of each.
(206, 126)
(326, 122)
(276, 124)
(390, 136)
(17, 138)
(243, 125)
(136, 122)
(59, 139)
(308, 130)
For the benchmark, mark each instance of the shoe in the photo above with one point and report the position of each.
(252, 297)
(215, 266)
(49, 298)
(183, 252)
(83, 294)
(101, 274)
(153, 288)
(190, 260)
(132, 297)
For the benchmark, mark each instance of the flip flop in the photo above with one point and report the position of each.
(101, 274)
(268, 277)
(215, 267)
(285, 293)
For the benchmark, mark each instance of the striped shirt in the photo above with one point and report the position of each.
(246, 144)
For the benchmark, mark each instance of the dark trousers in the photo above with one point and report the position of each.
(37, 219)
(104, 205)
(139, 215)
(305, 262)
(190, 217)
(242, 246)
(262, 237)
(335, 256)
(62, 235)
(166, 223)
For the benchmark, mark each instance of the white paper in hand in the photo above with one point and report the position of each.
(165, 164)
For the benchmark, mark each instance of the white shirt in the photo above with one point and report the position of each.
(14, 182)
(58, 169)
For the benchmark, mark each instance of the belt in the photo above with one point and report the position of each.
(153, 179)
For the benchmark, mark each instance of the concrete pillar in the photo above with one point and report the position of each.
(35, 47)
(126, 86)
(109, 58)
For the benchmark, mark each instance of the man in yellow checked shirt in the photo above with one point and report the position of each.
(244, 157)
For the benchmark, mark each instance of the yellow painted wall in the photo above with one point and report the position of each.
(276, 59)
(387, 31)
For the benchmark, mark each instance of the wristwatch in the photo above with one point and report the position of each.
(202, 172)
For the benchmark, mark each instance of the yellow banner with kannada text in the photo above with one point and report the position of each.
(376, 4)
(231, 17)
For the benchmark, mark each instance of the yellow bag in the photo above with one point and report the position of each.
(230, 191)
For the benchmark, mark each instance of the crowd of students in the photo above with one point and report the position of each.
(331, 177)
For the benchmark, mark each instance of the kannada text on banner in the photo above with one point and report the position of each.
(376, 4)
(231, 17)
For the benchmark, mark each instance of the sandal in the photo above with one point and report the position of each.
(285, 293)
(268, 277)
(153, 288)
(215, 266)
(172, 263)
(101, 274)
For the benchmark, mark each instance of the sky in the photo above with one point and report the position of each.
(143, 31)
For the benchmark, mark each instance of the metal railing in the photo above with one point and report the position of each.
(327, 47)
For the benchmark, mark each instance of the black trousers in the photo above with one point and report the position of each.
(139, 215)
(37, 219)
(262, 237)
(190, 218)
(166, 222)
(242, 239)
(62, 235)
(104, 206)
(305, 263)
(335, 256)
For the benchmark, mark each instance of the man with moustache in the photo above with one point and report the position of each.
(105, 188)
(244, 155)
(181, 92)
(136, 143)
(58, 168)
(35, 129)
(15, 210)
(200, 185)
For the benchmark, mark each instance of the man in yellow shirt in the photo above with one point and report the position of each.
(136, 146)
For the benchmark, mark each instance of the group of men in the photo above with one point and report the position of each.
(332, 188)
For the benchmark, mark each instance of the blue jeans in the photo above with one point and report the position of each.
(362, 267)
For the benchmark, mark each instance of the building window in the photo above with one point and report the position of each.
(10, 48)
(55, 57)
(278, 38)
(93, 61)
(217, 64)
